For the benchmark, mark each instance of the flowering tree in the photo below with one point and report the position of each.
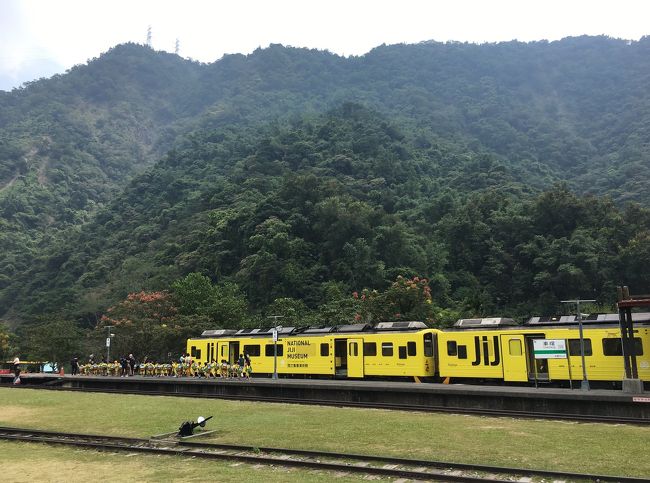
(405, 299)
(142, 324)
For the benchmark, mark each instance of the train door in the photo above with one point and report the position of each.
(515, 368)
(537, 368)
(234, 352)
(355, 357)
(209, 352)
(340, 357)
(222, 351)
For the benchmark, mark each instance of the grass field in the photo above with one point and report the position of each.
(21, 462)
(581, 447)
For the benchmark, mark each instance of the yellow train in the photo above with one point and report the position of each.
(474, 350)
(499, 350)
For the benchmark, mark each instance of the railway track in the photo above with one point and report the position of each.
(341, 463)
(374, 405)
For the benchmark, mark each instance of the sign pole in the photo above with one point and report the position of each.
(275, 344)
(108, 343)
(568, 362)
(584, 384)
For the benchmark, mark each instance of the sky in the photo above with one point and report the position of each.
(39, 38)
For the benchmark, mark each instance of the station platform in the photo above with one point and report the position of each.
(408, 395)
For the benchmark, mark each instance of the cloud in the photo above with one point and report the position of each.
(46, 33)
(29, 69)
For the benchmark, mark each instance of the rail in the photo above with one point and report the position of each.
(339, 462)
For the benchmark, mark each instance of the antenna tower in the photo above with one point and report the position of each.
(149, 36)
(178, 47)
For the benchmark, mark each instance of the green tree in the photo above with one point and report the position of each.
(194, 294)
(56, 341)
(5, 343)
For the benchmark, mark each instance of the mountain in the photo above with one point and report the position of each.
(136, 156)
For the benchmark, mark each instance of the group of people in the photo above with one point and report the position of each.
(123, 367)
(186, 366)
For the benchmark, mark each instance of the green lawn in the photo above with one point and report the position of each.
(581, 447)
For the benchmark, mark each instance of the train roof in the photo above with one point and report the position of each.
(485, 322)
(401, 326)
(557, 321)
(641, 317)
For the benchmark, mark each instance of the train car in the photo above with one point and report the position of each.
(498, 350)
(386, 350)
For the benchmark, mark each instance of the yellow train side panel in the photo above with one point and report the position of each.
(470, 354)
(507, 354)
(388, 354)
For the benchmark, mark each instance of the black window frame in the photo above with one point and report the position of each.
(401, 352)
(617, 344)
(462, 351)
(353, 350)
(411, 348)
(367, 351)
(268, 350)
(428, 344)
(324, 349)
(253, 353)
(387, 349)
(574, 347)
(452, 348)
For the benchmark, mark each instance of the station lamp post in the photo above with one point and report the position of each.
(108, 343)
(584, 385)
(276, 328)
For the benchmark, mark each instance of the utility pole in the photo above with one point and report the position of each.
(584, 385)
(276, 328)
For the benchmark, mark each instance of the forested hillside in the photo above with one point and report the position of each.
(290, 172)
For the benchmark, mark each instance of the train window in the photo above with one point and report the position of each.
(452, 348)
(223, 351)
(252, 350)
(462, 352)
(193, 351)
(387, 349)
(574, 347)
(612, 347)
(402, 351)
(325, 350)
(412, 351)
(369, 349)
(428, 345)
(514, 345)
(354, 349)
(268, 350)
(198, 353)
